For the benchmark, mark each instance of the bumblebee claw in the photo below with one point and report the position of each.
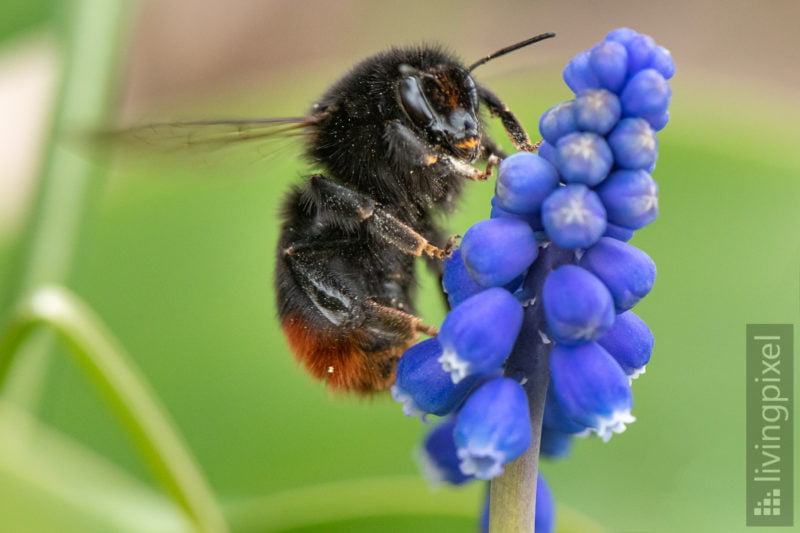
(451, 245)
(430, 331)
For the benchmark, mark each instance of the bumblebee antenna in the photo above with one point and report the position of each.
(508, 49)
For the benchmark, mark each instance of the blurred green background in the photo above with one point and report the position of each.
(179, 258)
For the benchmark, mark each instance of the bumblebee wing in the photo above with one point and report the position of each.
(208, 134)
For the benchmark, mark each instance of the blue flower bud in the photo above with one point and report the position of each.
(577, 305)
(555, 419)
(548, 151)
(456, 281)
(630, 342)
(583, 158)
(596, 110)
(534, 220)
(621, 35)
(524, 180)
(554, 444)
(497, 250)
(558, 121)
(591, 388)
(640, 49)
(544, 509)
(661, 60)
(423, 386)
(628, 272)
(609, 62)
(438, 457)
(478, 335)
(634, 144)
(657, 121)
(578, 74)
(493, 428)
(574, 216)
(618, 232)
(630, 198)
(646, 93)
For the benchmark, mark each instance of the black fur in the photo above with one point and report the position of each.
(349, 233)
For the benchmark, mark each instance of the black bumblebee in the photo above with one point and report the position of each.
(394, 140)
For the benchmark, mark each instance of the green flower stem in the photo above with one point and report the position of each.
(512, 495)
(105, 362)
(69, 183)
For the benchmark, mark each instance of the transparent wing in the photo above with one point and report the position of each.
(208, 134)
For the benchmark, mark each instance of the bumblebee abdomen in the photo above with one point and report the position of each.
(337, 357)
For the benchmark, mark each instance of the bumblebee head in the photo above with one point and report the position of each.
(443, 103)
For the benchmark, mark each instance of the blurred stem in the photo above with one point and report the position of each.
(339, 501)
(512, 495)
(99, 354)
(69, 184)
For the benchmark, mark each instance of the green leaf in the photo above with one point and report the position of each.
(51, 483)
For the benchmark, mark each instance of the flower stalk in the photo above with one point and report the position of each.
(512, 499)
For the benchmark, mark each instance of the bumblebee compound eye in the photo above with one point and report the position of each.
(414, 103)
(469, 85)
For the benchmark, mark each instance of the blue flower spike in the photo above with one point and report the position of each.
(591, 388)
(478, 335)
(497, 250)
(553, 256)
(423, 386)
(493, 428)
(439, 457)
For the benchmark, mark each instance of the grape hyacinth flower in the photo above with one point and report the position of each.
(492, 428)
(541, 345)
(439, 456)
(424, 386)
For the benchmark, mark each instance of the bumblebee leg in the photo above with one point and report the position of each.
(344, 304)
(489, 147)
(338, 303)
(348, 209)
(409, 151)
(498, 109)
(399, 320)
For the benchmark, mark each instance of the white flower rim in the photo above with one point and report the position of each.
(410, 408)
(457, 367)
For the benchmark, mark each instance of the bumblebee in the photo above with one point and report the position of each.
(394, 140)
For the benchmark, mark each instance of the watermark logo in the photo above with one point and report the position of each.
(770, 420)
